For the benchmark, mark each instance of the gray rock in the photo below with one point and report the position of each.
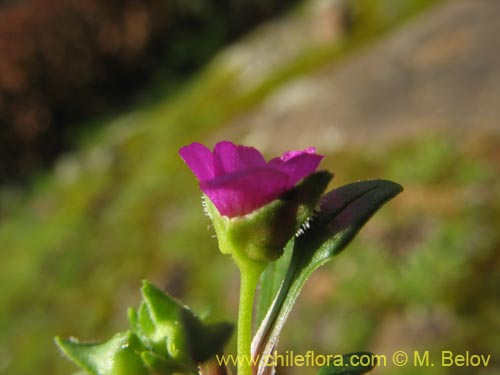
(440, 71)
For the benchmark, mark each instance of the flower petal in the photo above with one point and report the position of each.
(199, 159)
(229, 158)
(291, 154)
(298, 167)
(240, 193)
(237, 178)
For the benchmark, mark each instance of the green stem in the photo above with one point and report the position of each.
(249, 279)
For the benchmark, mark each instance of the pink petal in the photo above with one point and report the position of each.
(291, 154)
(199, 159)
(229, 158)
(238, 180)
(300, 166)
(242, 192)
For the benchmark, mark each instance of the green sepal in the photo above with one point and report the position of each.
(261, 235)
(120, 355)
(343, 365)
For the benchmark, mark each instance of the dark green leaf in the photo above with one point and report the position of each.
(270, 283)
(204, 341)
(158, 364)
(341, 215)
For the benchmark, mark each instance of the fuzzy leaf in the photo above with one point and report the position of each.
(166, 338)
(117, 356)
(170, 325)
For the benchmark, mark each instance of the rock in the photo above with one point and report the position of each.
(276, 43)
(332, 20)
(440, 71)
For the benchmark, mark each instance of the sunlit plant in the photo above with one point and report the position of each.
(260, 210)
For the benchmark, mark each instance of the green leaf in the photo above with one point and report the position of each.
(117, 356)
(166, 338)
(158, 364)
(270, 283)
(341, 215)
(158, 319)
(171, 326)
(204, 341)
(350, 364)
(142, 324)
(343, 212)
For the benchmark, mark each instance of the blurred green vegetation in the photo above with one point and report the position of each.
(423, 275)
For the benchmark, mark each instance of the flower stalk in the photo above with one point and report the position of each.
(250, 272)
(249, 279)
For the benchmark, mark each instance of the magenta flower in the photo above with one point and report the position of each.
(238, 180)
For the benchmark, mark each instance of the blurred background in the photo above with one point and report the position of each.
(96, 97)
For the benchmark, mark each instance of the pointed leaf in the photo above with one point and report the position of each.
(117, 356)
(142, 324)
(166, 338)
(342, 213)
(174, 328)
(158, 320)
(350, 364)
(307, 192)
(162, 307)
